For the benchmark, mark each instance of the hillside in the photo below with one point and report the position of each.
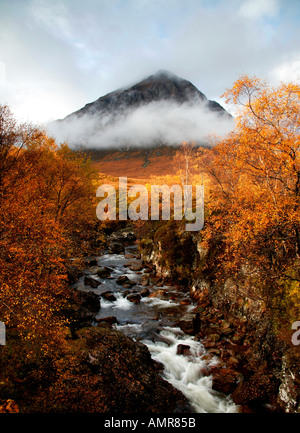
(135, 163)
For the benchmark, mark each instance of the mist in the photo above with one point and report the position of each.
(169, 123)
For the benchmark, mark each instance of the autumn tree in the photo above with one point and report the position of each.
(45, 198)
(254, 194)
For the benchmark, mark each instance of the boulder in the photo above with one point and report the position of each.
(108, 296)
(122, 236)
(74, 273)
(190, 323)
(116, 248)
(226, 380)
(183, 349)
(145, 292)
(129, 256)
(91, 282)
(136, 267)
(104, 272)
(123, 279)
(255, 390)
(109, 319)
(134, 297)
(90, 301)
(117, 375)
(83, 310)
(160, 293)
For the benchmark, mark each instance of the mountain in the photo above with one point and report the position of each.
(136, 130)
(162, 86)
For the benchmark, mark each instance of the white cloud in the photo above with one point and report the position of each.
(255, 9)
(288, 71)
(53, 17)
(2, 73)
(61, 54)
(158, 121)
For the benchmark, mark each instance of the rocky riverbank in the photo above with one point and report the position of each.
(251, 359)
(122, 371)
(255, 367)
(250, 378)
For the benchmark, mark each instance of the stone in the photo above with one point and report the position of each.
(145, 292)
(129, 256)
(116, 248)
(136, 267)
(190, 323)
(134, 297)
(183, 349)
(121, 375)
(108, 296)
(74, 273)
(109, 319)
(255, 390)
(226, 331)
(159, 294)
(225, 380)
(91, 282)
(104, 272)
(90, 301)
(93, 270)
(123, 279)
(84, 310)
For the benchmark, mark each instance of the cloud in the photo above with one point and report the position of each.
(255, 9)
(288, 71)
(163, 122)
(61, 54)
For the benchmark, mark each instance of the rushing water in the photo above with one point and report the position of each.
(153, 322)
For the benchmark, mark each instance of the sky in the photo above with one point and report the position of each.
(58, 55)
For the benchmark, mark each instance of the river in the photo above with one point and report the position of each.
(153, 321)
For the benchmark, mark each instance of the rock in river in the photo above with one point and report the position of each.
(119, 376)
(92, 282)
(116, 248)
(134, 297)
(108, 296)
(190, 323)
(103, 272)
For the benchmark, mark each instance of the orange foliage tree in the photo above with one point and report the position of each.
(254, 191)
(46, 197)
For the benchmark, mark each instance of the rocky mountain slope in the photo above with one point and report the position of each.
(162, 109)
(162, 86)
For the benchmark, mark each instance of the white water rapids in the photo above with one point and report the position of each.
(153, 322)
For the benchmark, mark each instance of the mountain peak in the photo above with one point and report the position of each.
(159, 87)
(148, 107)
(163, 74)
